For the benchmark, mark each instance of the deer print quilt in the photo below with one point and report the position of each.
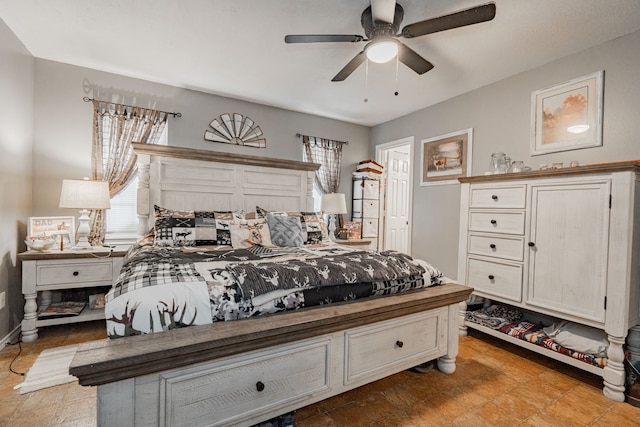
(162, 288)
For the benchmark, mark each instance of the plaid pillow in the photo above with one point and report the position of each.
(193, 228)
(314, 228)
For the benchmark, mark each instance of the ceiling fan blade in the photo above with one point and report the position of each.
(322, 38)
(383, 10)
(465, 17)
(350, 67)
(412, 60)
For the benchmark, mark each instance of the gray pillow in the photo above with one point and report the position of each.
(285, 230)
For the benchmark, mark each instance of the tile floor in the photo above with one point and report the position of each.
(495, 384)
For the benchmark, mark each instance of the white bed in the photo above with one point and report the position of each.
(247, 371)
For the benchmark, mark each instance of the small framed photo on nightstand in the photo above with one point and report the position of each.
(61, 227)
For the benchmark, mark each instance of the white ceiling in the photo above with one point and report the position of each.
(236, 47)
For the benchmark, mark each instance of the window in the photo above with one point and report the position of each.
(122, 218)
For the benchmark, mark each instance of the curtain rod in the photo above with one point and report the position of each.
(87, 99)
(299, 135)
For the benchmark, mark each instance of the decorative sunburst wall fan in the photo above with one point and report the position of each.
(238, 130)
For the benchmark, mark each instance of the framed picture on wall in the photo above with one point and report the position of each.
(567, 116)
(446, 158)
(64, 226)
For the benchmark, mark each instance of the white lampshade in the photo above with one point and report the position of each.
(382, 51)
(334, 203)
(84, 194)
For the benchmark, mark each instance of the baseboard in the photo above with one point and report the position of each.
(12, 337)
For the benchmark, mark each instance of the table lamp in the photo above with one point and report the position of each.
(332, 204)
(84, 195)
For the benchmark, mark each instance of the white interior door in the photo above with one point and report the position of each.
(398, 201)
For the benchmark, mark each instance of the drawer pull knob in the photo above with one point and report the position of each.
(531, 244)
(492, 246)
(494, 197)
(491, 277)
(399, 343)
(259, 386)
(75, 273)
(494, 222)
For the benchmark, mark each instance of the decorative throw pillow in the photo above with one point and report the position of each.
(247, 233)
(193, 228)
(314, 228)
(285, 230)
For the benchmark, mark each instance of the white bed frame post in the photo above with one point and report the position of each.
(143, 194)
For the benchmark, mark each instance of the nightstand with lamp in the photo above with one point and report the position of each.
(82, 266)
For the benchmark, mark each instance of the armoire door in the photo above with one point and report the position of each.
(568, 248)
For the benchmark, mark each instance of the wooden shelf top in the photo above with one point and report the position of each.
(118, 251)
(626, 165)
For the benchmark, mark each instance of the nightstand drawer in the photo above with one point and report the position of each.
(71, 273)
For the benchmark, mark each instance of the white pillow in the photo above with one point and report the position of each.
(577, 337)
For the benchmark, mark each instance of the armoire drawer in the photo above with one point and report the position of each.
(497, 246)
(238, 388)
(498, 197)
(497, 222)
(496, 278)
(373, 349)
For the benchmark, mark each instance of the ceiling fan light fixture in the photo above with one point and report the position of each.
(382, 51)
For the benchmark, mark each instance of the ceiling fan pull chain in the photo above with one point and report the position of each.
(397, 66)
(366, 80)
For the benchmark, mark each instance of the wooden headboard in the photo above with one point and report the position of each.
(185, 178)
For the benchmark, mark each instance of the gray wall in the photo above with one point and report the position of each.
(16, 135)
(500, 115)
(63, 132)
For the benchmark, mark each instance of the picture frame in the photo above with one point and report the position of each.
(445, 158)
(568, 116)
(64, 226)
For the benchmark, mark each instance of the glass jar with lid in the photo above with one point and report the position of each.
(498, 163)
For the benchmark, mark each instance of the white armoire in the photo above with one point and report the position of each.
(564, 244)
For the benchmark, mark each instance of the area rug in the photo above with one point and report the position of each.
(51, 368)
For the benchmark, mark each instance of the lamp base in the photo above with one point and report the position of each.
(83, 232)
(82, 246)
(332, 227)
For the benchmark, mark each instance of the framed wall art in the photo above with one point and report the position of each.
(567, 116)
(64, 226)
(446, 158)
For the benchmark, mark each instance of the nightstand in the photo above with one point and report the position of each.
(361, 243)
(44, 272)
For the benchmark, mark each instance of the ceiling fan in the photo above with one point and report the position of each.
(381, 22)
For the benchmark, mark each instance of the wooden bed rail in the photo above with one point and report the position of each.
(106, 361)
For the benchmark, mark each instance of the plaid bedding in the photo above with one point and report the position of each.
(161, 288)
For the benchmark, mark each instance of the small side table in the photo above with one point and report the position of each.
(44, 272)
(361, 243)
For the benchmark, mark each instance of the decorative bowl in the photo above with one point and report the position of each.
(40, 244)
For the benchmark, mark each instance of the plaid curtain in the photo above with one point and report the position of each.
(328, 154)
(115, 127)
